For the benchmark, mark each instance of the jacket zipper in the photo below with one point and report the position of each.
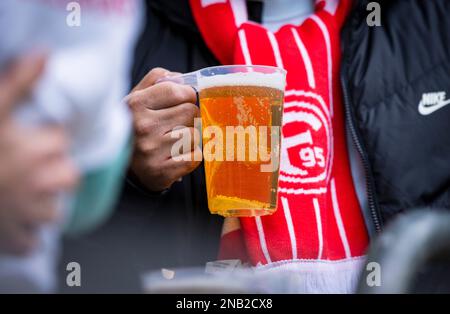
(373, 206)
(350, 122)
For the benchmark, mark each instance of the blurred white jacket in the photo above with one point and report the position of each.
(82, 88)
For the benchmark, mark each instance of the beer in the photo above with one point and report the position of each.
(241, 120)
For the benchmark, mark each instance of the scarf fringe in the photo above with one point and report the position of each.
(312, 276)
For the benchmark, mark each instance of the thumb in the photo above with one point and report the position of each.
(151, 78)
(18, 80)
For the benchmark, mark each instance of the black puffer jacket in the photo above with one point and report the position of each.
(386, 73)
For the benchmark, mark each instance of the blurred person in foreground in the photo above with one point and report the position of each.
(379, 92)
(79, 93)
(35, 164)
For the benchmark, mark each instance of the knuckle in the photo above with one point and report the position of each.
(158, 71)
(146, 147)
(133, 101)
(141, 128)
(176, 92)
(144, 127)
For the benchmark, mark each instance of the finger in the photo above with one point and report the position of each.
(164, 173)
(175, 143)
(182, 141)
(162, 95)
(183, 115)
(159, 122)
(18, 81)
(184, 164)
(151, 78)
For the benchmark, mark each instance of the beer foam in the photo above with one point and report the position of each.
(273, 80)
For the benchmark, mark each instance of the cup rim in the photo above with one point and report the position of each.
(280, 70)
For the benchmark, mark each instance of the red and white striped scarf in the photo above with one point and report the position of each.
(318, 216)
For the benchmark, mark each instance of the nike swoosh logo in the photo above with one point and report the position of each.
(427, 110)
